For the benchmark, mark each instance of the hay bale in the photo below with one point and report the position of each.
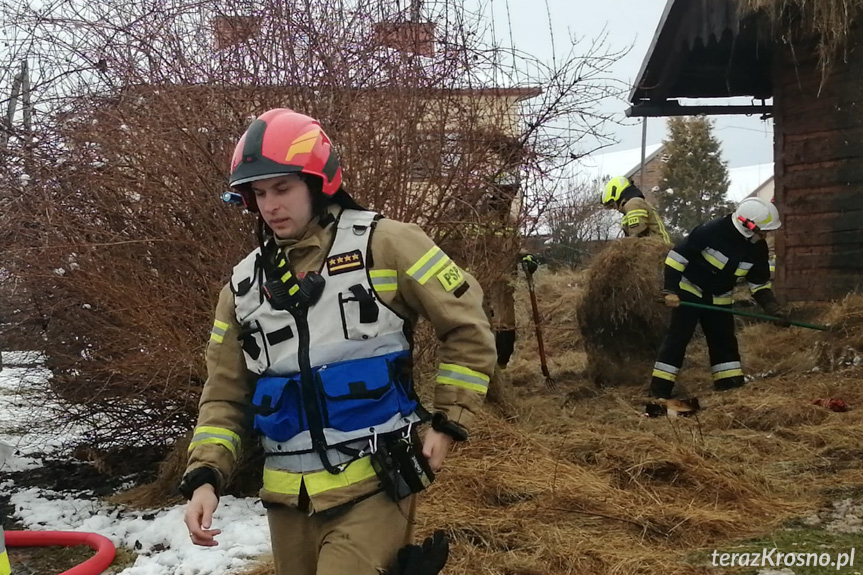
(622, 323)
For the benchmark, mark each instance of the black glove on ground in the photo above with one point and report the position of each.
(428, 559)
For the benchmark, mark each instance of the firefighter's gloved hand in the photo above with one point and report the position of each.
(427, 559)
(529, 263)
(672, 300)
(777, 311)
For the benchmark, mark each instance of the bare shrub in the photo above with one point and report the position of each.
(114, 233)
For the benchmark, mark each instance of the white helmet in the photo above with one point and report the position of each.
(755, 212)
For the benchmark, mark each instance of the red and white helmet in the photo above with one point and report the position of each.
(280, 142)
(754, 213)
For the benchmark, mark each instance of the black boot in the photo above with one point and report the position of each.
(661, 388)
(727, 383)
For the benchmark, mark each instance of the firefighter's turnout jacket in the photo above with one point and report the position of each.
(5, 568)
(704, 268)
(641, 219)
(327, 383)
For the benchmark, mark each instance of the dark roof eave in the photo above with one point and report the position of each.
(653, 43)
(649, 109)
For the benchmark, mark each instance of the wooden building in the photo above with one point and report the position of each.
(706, 49)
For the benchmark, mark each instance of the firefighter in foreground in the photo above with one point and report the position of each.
(639, 217)
(5, 567)
(313, 336)
(703, 268)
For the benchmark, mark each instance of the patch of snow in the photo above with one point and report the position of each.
(158, 536)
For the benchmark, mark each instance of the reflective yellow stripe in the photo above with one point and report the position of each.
(637, 213)
(727, 373)
(664, 375)
(674, 264)
(4, 557)
(765, 222)
(714, 258)
(722, 300)
(217, 334)
(451, 374)
(383, 273)
(676, 261)
(384, 280)
(277, 481)
(286, 277)
(742, 269)
(428, 265)
(215, 435)
(662, 231)
(758, 287)
(691, 288)
(293, 289)
(285, 482)
(422, 261)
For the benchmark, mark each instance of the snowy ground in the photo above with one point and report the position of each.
(158, 536)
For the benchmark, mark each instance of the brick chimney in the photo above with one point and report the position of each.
(411, 37)
(232, 30)
(408, 37)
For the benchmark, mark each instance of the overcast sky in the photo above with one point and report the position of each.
(746, 140)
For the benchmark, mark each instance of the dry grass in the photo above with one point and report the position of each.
(830, 21)
(577, 482)
(580, 483)
(619, 315)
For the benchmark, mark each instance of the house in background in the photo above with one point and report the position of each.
(600, 168)
(764, 191)
(751, 181)
(713, 50)
(743, 181)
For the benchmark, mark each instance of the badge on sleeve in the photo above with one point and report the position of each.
(450, 277)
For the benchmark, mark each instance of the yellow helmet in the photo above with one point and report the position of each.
(614, 188)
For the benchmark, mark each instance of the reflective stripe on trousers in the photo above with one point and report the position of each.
(718, 329)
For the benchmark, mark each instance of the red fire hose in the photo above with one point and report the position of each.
(105, 550)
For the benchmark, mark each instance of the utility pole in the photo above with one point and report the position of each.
(643, 150)
(20, 89)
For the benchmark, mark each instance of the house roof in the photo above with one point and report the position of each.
(648, 157)
(744, 181)
(701, 49)
(601, 167)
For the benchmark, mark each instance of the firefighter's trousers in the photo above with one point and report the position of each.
(362, 540)
(500, 304)
(718, 328)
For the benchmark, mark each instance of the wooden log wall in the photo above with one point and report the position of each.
(818, 135)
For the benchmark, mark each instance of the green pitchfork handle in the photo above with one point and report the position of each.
(758, 315)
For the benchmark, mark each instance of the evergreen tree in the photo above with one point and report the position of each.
(694, 180)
